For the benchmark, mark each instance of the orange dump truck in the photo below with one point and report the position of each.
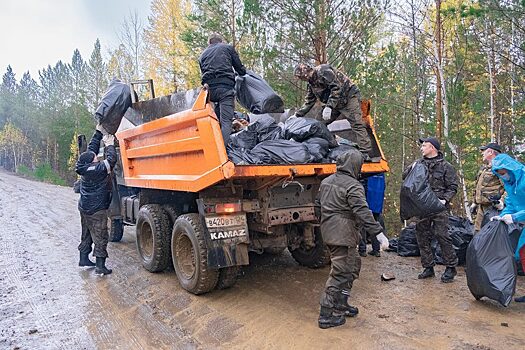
(195, 209)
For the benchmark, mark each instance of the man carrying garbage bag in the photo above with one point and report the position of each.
(444, 183)
(340, 97)
(342, 208)
(512, 173)
(217, 63)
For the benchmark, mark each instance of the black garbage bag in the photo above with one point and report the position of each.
(337, 151)
(416, 196)
(244, 139)
(392, 245)
(278, 152)
(461, 231)
(491, 271)
(318, 148)
(301, 129)
(254, 94)
(407, 242)
(113, 105)
(266, 128)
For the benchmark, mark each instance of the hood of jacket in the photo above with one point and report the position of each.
(350, 163)
(514, 168)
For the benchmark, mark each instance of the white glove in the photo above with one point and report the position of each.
(327, 113)
(495, 218)
(383, 241)
(292, 116)
(109, 140)
(500, 205)
(100, 128)
(444, 202)
(473, 207)
(507, 218)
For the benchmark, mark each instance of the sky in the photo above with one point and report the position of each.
(38, 33)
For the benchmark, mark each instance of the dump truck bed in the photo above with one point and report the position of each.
(185, 152)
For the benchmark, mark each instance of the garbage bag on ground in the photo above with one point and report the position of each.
(407, 242)
(254, 94)
(318, 148)
(337, 151)
(416, 197)
(301, 129)
(113, 106)
(491, 271)
(278, 152)
(392, 245)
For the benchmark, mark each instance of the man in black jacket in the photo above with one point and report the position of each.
(343, 210)
(216, 63)
(95, 198)
(444, 183)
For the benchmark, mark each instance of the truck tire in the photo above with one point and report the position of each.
(152, 237)
(227, 277)
(274, 250)
(315, 257)
(173, 214)
(115, 229)
(190, 255)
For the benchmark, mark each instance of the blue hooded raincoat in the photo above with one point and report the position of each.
(515, 188)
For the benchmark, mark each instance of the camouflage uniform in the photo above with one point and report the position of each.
(488, 186)
(338, 92)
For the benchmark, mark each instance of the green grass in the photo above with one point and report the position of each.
(43, 173)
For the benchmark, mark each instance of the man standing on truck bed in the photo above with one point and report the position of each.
(95, 198)
(343, 209)
(216, 63)
(340, 97)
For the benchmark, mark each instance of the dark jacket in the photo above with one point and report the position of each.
(342, 201)
(95, 180)
(329, 86)
(216, 63)
(442, 176)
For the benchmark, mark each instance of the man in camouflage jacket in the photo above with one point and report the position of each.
(339, 95)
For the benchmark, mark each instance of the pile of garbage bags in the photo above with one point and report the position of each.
(491, 270)
(460, 230)
(296, 141)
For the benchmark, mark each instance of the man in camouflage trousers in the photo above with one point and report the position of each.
(489, 189)
(339, 95)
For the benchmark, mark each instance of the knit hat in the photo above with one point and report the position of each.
(86, 157)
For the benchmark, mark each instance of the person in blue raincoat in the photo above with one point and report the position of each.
(512, 173)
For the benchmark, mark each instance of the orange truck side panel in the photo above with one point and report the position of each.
(185, 152)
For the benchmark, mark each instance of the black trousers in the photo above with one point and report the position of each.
(224, 98)
(94, 231)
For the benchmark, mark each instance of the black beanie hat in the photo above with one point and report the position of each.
(86, 157)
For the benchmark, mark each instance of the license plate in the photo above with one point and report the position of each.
(225, 221)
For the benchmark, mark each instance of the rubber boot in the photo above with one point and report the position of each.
(84, 260)
(328, 319)
(101, 268)
(448, 275)
(427, 273)
(520, 299)
(362, 254)
(375, 253)
(343, 306)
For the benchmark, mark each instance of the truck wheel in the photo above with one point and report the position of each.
(116, 229)
(274, 250)
(227, 277)
(190, 255)
(315, 257)
(152, 237)
(173, 214)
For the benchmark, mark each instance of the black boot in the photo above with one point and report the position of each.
(343, 306)
(375, 253)
(84, 260)
(427, 272)
(520, 299)
(362, 254)
(327, 318)
(101, 268)
(449, 274)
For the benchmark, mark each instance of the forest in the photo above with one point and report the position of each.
(452, 69)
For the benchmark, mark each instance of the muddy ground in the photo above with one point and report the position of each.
(47, 302)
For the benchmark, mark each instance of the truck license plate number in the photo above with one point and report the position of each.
(226, 221)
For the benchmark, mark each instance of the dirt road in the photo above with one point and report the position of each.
(47, 302)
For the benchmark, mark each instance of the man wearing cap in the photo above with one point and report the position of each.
(217, 63)
(95, 198)
(444, 183)
(489, 188)
(339, 95)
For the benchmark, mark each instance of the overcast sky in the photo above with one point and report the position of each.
(35, 33)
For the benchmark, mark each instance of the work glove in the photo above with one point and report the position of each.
(472, 208)
(383, 241)
(109, 140)
(507, 218)
(100, 128)
(327, 113)
(499, 205)
(444, 202)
